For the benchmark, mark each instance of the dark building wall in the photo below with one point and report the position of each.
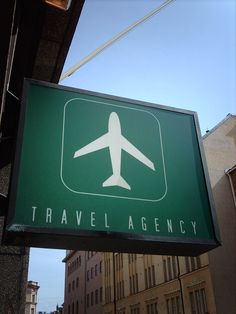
(35, 40)
(13, 267)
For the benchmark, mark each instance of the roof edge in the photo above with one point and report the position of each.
(229, 115)
(68, 256)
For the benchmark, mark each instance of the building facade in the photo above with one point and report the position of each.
(137, 283)
(34, 44)
(83, 282)
(220, 150)
(157, 284)
(13, 265)
(31, 297)
(151, 284)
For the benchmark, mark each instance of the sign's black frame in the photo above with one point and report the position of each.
(103, 241)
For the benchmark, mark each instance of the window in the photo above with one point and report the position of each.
(187, 264)
(198, 301)
(100, 266)
(73, 308)
(170, 268)
(77, 282)
(119, 261)
(69, 288)
(121, 311)
(130, 285)
(131, 257)
(192, 263)
(68, 309)
(116, 261)
(91, 298)
(165, 270)
(72, 266)
(73, 285)
(149, 277)
(136, 282)
(32, 311)
(152, 308)
(174, 266)
(174, 305)
(96, 270)
(118, 290)
(87, 275)
(87, 300)
(96, 296)
(108, 294)
(77, 307)
(100, 294)
(146, 280)
(107, 267)
(33, 298)
(133, 284)
(92, 273)
(153, 276)
(198, 261)
(135, 309)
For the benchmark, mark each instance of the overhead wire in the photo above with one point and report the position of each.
(111, 41)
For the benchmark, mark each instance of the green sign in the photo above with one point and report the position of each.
(108, 173)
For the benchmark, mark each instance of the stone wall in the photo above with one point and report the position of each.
(13, 266)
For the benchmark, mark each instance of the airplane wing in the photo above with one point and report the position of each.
(133, 151)
(98, 144)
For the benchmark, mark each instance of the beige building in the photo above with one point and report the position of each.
(220, 150)
(157, 284)
(31, 297)
(137, 283)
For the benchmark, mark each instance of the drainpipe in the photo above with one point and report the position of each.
(114, 282)
(180, 285)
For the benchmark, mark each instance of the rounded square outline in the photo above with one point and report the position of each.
(107, 195)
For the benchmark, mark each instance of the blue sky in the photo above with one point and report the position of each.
(183, 57)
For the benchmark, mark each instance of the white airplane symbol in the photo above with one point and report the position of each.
(116, 142)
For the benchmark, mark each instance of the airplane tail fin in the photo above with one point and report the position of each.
(116, 180)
